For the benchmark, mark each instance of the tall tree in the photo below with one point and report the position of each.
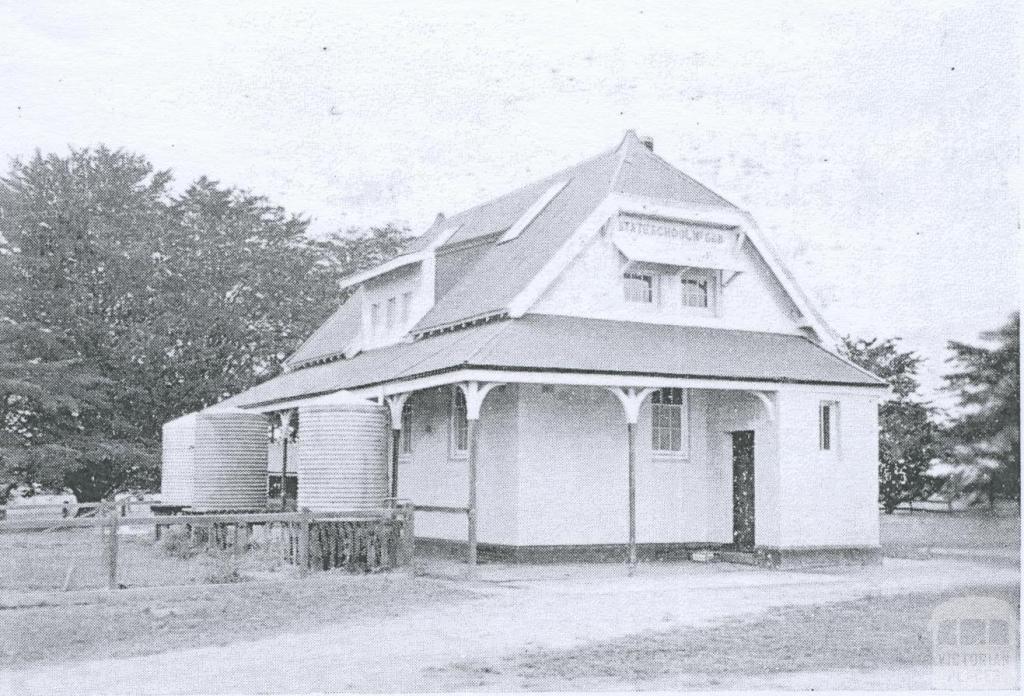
(71, 228)
(906, 438)
(123, 305)
(986, 434)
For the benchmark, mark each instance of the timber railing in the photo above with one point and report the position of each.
(365, 540)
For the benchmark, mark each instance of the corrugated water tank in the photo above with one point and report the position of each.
(177, 461)
(344, 454)
(230, 470)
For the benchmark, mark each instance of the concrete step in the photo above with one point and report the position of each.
(740, 557)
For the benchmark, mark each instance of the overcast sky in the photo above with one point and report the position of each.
(877, 146)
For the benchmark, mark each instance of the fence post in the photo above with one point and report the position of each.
(408, 536)
(112, 548)
(303, 550)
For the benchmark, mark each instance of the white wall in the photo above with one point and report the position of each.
(574, 473)
(275, 457)
(592, 287)
(553, 470)
(828, 498)
(433, 475)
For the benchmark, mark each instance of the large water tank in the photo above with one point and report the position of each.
(230, 471)
(344, 454)
(177, 462)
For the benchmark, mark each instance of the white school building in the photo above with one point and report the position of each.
(613, 354)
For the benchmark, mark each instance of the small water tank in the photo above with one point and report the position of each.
(230, 471)
(344, 454)
(177, 462)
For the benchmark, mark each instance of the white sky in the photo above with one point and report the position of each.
(877, 146)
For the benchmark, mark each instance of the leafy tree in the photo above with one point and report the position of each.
(906, 438)
(123, 305)
(70, 228)
(356, 249)
(985, 436)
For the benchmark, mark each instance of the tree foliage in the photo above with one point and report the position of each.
(985, 435)
(906, 438)
(123, 305)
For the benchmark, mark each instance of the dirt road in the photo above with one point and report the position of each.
(522, 608)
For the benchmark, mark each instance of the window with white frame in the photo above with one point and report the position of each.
(406, 304)
(459, 422)
(375, 318)
(696, 292)
(390, 315)
(406, 438)
(668, 421)
(828, 426)
(699, 290)
(638, 287)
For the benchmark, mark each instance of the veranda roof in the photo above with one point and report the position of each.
(551, 343)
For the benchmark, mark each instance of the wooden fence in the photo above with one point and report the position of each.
(358, 541)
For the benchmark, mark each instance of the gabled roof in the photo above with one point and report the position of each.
(502, 272)
(331, 339)
(498, 272)
(561, 344)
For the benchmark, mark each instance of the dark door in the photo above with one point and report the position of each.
(743, 489)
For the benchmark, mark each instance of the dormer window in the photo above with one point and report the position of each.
(390, 317)
(638, 287)
(699, 291)
(375, 318)
(406, 304)
(695, 292)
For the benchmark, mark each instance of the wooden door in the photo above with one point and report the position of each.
(743, 489)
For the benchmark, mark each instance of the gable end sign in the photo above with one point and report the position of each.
(676, 243)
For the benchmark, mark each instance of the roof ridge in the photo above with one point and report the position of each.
(622, 159)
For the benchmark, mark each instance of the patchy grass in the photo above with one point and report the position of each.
(870, 634)
(903, 533)
(81, 626)
(47, 560)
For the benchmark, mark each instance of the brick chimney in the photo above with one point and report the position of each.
(648, 142)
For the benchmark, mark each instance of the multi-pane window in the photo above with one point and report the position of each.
(460, 422)
(406, 438)
(406, 304)
(638, 287)
(667, 422)
(390, 316)
(828, 420)
(695, 292)
(375, 317)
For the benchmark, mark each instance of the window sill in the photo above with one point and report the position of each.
(458, 456)
(668, 455)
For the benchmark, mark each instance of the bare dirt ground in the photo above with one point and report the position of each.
(516, 611)
(41, 629)
(869, 638)
(518, 627)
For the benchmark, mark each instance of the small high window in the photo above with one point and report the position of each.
(406, 439)
(406, 304)
(828, 421)
(638, 287)
(667, 422)
(390, 320)
(460, 422)
(375, 317)
(695, 292)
